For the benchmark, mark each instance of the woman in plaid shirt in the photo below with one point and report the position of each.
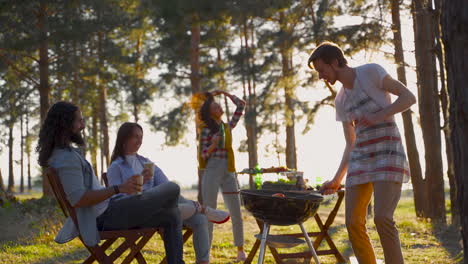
(216, 157)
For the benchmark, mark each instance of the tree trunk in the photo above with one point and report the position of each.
(138, 76)
(412, 150)
(22, 156)
(195, 55)
(11, 179)
(94, 139)
(2, 185)
(250, 111)
(102, 105)
(455, 36)
(287, 76)
(195, 79)
(44, 88)
(248, 107)
(444, 100)
(429, 108)
(100, 152)
(28, 151)
(76, 70)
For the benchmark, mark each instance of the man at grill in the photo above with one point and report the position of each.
(373, 158)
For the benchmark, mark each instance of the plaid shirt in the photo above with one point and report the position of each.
(207, 135)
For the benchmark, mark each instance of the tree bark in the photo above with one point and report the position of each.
(445, 101)
(455, 37)
(287, 75)
(250, 111)
(28, 150)
(2, 185)
(94, 139)
(44, 88)
(429, 108)
(248, 107)
(103, 105)
(195, 55)
(22, 155)
(410, 139)
(11, 178)
(195, 79)
(138, 76)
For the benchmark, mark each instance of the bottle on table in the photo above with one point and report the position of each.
(258, 177)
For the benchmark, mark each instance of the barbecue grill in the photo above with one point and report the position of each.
(274, 207)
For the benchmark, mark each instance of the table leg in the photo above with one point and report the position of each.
(252, 252)
(325, 227)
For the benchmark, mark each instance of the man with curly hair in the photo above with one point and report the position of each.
(97, 207)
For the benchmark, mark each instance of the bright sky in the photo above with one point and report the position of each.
(318, 152)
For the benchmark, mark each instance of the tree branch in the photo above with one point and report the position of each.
(18, 71)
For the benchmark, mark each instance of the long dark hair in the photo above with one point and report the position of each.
(205, 114)
(56, 130)
(124, 133)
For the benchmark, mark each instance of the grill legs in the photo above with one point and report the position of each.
(309, 243)
(266, 230)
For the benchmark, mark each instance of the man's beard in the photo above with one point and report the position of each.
(77, 138)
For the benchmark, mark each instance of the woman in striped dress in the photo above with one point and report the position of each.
(374, 157)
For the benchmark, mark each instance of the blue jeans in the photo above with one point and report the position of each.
(199, 225)
(156, 207)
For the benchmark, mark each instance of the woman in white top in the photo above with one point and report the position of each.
(125, 162)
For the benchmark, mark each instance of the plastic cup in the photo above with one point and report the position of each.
(139, 179)
(149, 165)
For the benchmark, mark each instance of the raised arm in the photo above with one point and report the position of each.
(239, 109)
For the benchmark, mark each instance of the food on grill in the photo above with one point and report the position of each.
(278, 195)
(265, 170)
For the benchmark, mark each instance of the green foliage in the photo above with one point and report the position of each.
(173, 124)
(115, 45)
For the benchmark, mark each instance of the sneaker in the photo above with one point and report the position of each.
(241, 256)
(216, 216)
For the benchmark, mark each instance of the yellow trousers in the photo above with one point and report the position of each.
(386, 197)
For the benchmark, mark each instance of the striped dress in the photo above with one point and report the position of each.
(378, 154)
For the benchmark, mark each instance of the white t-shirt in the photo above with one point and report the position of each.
(369, 77)
(134, 163)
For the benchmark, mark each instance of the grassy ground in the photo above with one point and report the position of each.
(27, 230)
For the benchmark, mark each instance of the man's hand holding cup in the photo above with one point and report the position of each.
(134, 185)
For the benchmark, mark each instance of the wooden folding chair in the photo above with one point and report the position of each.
(98, 252)
(187, 234)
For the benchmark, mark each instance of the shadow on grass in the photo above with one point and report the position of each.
(28, 219)
(449, 237)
